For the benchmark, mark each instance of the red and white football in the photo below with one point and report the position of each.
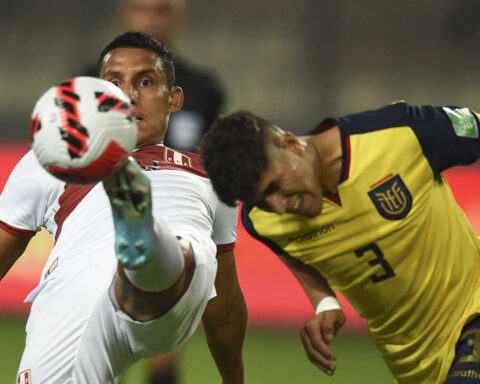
(83, 129)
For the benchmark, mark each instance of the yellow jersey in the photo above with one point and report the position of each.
(393, 241)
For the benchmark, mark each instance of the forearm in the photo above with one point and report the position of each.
(11, 248)
(316, 287)
(225, 336)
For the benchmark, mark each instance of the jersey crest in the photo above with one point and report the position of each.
(24, 377)
(391, 198)
(159, 157)
(176, 157)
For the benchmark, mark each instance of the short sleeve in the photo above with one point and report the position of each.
(225, 227)
(449, 136)
(23, 201)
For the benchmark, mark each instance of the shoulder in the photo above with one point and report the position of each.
(388, 116)
(29, 169)
(254, 220)
(397, 114)
(159, 157)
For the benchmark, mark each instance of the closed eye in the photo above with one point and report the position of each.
(272, 188)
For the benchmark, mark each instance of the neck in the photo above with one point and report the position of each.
(326, 151)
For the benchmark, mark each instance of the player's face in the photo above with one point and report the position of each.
(290, 185)
(139, 74)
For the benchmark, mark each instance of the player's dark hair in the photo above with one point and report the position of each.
(233, 154)
(142, 40)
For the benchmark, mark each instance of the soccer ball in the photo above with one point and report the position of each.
(83, 129)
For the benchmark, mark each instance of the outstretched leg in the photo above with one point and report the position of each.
(154, 266)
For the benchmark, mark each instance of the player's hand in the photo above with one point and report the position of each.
(317, 333)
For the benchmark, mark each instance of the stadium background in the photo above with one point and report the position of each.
(292, 62)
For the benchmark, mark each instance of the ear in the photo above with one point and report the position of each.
(291, 142)
(176, 99)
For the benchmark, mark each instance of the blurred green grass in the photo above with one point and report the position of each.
(271, 356)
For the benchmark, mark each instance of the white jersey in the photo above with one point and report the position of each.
(82, 263)
(79, 219)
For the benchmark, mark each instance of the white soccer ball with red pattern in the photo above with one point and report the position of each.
(83, 129)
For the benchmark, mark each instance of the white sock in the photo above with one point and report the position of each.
(166, 265)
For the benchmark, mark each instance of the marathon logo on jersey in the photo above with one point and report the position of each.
(178, 158)
(463, 122)
(391, 198)
(25, 377)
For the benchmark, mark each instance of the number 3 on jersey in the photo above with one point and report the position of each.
(379, 259)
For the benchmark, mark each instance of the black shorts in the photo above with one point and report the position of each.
(466, 366)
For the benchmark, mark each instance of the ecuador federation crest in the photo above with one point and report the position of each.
(392, 198)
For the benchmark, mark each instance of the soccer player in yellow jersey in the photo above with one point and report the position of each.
(360, 205)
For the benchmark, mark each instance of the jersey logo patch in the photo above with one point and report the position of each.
(24, 377)
(463, 122)
(392, 198)
(178, 158)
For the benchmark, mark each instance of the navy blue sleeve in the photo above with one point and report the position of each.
(449, 136)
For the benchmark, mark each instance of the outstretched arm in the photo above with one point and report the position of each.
(225, 321)
(320, 330)
(11, 248)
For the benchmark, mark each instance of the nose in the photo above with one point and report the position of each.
(131, 92)
(277, 203)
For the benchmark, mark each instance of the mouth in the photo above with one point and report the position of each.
(297, 203)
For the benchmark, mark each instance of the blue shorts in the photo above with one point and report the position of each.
(466, 366)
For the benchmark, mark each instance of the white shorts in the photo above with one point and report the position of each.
(65, 346)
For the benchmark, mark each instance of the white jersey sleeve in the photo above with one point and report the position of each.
(28, 199)
(225, 225)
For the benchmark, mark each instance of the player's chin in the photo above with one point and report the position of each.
(311, 210)
(144, 138)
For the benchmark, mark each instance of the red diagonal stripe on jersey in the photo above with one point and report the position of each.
(348, 158)
(70, 198)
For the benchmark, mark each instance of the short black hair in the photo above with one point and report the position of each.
(142, 40)
(234, 156)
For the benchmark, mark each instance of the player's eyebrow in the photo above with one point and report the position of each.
(111, 74)
(146, 72)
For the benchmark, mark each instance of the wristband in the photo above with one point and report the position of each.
(327, 304)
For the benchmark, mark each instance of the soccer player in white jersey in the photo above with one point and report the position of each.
(95, 311)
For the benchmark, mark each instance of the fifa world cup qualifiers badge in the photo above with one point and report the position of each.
(391, 198)
(463, 122)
